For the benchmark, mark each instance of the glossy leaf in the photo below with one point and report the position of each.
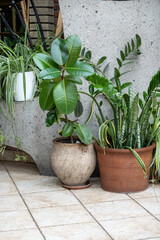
(44, 61)
(46, 96)
(65, 96)
(49, 73)
(122, 55)
(84, 133)
(67, 129)
(119, 62)
(80, 69)
(60, 51)
(74, 44)
(91, 89)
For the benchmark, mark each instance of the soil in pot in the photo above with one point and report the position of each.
(119, 170)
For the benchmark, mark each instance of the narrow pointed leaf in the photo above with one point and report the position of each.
(101, 60)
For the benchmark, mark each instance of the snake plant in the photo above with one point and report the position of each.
(136, 121)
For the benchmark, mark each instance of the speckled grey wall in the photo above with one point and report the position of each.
(104, 27)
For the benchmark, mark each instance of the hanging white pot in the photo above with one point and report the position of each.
(19, 86)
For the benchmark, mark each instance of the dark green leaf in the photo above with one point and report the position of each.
(83, 51)
(78, 110)
(60, 51)
(91, 89)
(88, 55)
(125, 85)
(46, 96)
(129, 48)
(74, 44)
(101, 60)
(122, 55)
(67, 129)
(133, 45)
(126, 51)
(50, 118)
(138, 41)
(145, 96)
(119, 62)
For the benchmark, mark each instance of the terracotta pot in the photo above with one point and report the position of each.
(73, 163)
(119, 170)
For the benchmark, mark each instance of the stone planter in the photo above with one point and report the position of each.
(73, 163)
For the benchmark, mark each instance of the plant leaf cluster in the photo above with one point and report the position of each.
(60, 73)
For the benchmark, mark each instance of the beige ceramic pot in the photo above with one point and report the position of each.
(73, 163)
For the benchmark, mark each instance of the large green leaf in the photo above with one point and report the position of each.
(65, 96)
(46, 96)
(80, 69)
(60, 51)
(49, 73)
(44, 61)
(84, 133)
(154, 83)
(67, 129)
(74, 44)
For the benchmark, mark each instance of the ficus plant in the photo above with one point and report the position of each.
(136, 121)
(61, 72)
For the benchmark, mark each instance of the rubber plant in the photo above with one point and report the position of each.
(136, 121)
(61, 72)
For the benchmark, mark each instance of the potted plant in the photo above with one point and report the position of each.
(73, 157)
(126, 141)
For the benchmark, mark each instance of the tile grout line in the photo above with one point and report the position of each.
(92, 215)
(143, 207)
(25, 204)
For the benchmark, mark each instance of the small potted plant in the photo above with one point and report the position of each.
(126, 142)
(73, 157)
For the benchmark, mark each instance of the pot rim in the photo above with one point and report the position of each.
(55, 141)
(115, 150)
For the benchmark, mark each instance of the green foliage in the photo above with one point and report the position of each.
(60, 73)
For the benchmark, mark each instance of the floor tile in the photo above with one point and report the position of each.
(89, 231)
(16, 220)
(22, 171)
(115, 210)
(7, 187)
(133, 228)
(49, 199)
(150, 204)
(3, 174)
(11, 203)
(39, 184)
(61, 215)
(31, 234)
(152, 191)
(93, 195)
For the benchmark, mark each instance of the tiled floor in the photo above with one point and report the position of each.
(34, 207)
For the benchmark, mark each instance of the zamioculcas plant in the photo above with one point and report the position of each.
(61, 72)
(136, 122)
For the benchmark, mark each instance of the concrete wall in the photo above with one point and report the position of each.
(104, 27)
